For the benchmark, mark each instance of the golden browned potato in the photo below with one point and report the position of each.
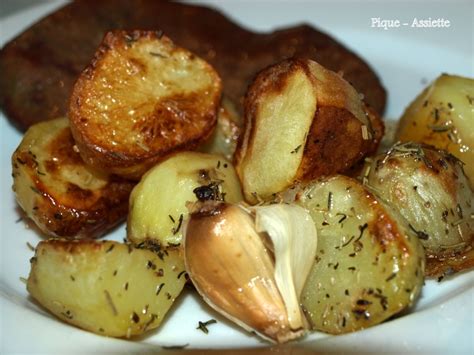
(142, 98)
(223, 140)
(443, 116)
(158, 203)
(301, 122)
(63, 196)
(369, 265)
(107, 288)
(429, 188)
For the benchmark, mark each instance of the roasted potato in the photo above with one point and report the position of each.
(158, 202)
(108, 288)
(301, 122)
(369, 265)
(223, 140)
(443, 116)
(429, 188)
(142, 98)
(63, 196)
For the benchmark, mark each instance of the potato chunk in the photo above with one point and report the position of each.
(158, 202)
(301, 122)
(107, 288)
(443, 116)
(223, 140)
(429, 188)
(140, 99)
(369, 264)
(55, 188)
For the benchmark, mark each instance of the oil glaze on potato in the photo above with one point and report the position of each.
(369, 265)
(301, 122)
(429, 188)
(63, 196)
(443, 116)
(107, 288)
(158, 203)
(142, 98)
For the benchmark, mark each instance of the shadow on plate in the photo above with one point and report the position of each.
(9, 7)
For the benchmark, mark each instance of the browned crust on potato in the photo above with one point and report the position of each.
(383, 225)
(334, 144)
(78, 213)
(377, 126)
(448, 262)
(447, 265)
(39, 66)
(177, 121)
(436, 162)
(72, 247)
(387, 236)
(386, 229)
(443, 256)
(440, 163)
(109, 210)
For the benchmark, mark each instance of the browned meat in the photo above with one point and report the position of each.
(39, 66)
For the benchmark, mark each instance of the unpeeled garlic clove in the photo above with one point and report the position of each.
(234, 271)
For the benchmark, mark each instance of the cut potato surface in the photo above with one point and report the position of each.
(158, 203)
(55, 188)
(283, 119)
(140, 99)
(369, 265)
(429, 188)
(443, 116)
(301, 122)
(107, 288)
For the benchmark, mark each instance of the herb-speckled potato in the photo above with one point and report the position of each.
(223, 140)
(55, 188)
(443, 116)
(369, 265)
(301, 122)
(158, 202)
(107, 288)
(429, 188)
(142, 98)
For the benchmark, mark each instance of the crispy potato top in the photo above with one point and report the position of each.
(302, 121)
(431, 191)
(39, 66)
(141, 98)
(369, 264)
(58, 191)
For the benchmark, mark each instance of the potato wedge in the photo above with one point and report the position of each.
(443, 116)
(223, 140)
(301, 122)
(158, 202)
(140, 99)
(369, 264)
(429, 188)
(55, 188)
(107, 288)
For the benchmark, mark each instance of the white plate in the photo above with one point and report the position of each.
(406, 59)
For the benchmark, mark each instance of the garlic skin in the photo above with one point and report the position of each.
(232, 267)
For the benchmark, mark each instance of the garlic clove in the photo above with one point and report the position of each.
(234, 271)
(293, 235)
